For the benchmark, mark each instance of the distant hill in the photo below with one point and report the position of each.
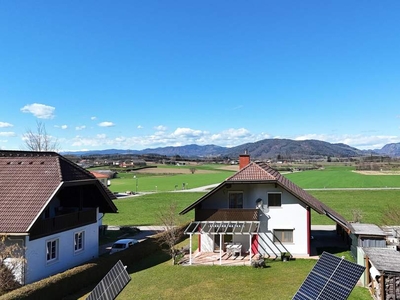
(392, 150)
(264, 149)
(285, 148)
(192, 150)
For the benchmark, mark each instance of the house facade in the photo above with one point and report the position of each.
(260, 210)
(53, 209)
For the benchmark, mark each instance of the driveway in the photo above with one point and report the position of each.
(145, 232)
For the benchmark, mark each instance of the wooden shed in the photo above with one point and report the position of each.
(366, 235)
(382, 273)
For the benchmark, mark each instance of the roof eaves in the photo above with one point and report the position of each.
(193, 205)
(343, 222)
(44, 206)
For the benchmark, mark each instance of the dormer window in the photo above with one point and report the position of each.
(274, 199)
(236, 200)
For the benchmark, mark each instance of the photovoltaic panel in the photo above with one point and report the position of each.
(112, 284)
(331, 278)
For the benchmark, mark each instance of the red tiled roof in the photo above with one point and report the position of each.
(28, 181)
(99, 175)
(257, 172)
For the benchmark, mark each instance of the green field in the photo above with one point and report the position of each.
(341, 177)
(165, 182)
(371, 203)
(142, 210)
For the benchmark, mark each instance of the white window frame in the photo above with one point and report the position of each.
(79, 241)
(279, 237)
(274, 193)
(52, 256)
(229, 198)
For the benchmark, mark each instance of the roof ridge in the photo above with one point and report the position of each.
(22, 153)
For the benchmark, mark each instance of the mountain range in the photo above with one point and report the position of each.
(264, 149)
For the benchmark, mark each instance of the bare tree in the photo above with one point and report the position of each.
(11, 264)
(192, 170)
(357, 215)
(168, 218)
(40, 140)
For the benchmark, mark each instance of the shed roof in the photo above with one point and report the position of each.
(384, 259)
(28, 180)
(367, 229)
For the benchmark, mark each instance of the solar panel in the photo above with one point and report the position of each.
(331, 278)
(112, 284)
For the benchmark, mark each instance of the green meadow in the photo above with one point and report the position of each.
(341, 177)
(167, 181)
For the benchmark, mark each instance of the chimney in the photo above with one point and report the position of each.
(244, 160)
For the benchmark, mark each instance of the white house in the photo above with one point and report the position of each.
(260, 210)
(53, 209)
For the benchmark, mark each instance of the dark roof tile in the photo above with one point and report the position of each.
(28, 181)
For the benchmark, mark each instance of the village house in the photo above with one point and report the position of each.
(257, 211)
(53, 209)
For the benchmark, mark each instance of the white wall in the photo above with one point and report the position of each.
(37, 267)
(291, 215)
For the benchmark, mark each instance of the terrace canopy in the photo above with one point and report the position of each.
(221, 228)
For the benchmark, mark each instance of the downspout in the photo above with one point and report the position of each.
(308, 231)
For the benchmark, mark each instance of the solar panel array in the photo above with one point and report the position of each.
(331, 278)
(112, 284)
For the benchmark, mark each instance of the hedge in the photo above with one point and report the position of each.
(89, 274)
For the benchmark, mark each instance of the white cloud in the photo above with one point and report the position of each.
(40, 111)
(93, 118)
(140, 127)
(187, 133)
(5, 124)
(7, 134)
(160, 128)
(62, 126)
(80, 127)
(106, 124)
(227, 138)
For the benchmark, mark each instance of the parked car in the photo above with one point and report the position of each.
(123, 244)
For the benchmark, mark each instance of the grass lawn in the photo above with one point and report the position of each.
(156, 278)
(341, 177)
(372, 204)
(165, 182)
(141, 210)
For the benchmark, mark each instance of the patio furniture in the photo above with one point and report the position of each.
(234, 249)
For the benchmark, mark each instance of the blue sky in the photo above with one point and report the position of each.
(145, 74)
